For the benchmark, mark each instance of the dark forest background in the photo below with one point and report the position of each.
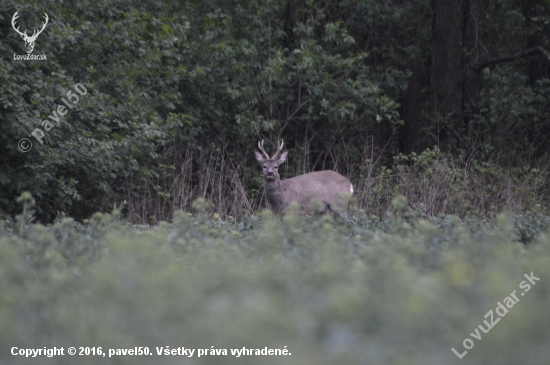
(445, 102)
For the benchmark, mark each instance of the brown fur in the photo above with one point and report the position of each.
(315, 192)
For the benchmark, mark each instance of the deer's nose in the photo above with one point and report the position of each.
(270, 173)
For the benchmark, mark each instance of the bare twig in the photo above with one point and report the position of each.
(494, 61)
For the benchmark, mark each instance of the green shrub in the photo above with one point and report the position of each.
(438, 183)
(404, 290)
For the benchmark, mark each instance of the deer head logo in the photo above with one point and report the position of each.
(29, 40)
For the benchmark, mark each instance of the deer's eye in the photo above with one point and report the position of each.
(265, 167)
(276, 167)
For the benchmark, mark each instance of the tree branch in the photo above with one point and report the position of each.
(528, 52)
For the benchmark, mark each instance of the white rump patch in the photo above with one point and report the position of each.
(351, 190)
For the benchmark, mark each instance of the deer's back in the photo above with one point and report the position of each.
(326, 186)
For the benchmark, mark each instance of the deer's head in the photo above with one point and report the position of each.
(270, 166)
(29, 40)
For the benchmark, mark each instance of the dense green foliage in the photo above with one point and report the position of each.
(443, 102)
(400, 291)
(179, 93)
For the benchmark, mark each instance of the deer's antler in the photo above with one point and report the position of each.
(261, 148)
(280, 146)
(13, 19)
(24, 34)
(43, 26)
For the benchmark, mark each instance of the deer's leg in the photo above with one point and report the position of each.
(340, 209)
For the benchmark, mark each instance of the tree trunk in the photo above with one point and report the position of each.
(448, 66)
(537, 67)
(410, 111)
(476, 51)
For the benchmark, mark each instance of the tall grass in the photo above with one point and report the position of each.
(433, 181)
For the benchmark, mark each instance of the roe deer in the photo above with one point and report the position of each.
(320, 191)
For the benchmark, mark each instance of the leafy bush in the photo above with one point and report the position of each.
(442, 183)
(403, 290)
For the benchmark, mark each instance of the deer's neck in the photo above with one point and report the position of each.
(273, 192)
(272, 186)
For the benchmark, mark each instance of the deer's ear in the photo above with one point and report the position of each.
(282, 158)
(259, 157)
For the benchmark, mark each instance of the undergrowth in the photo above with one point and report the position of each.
(441, 183)
(401, 290)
